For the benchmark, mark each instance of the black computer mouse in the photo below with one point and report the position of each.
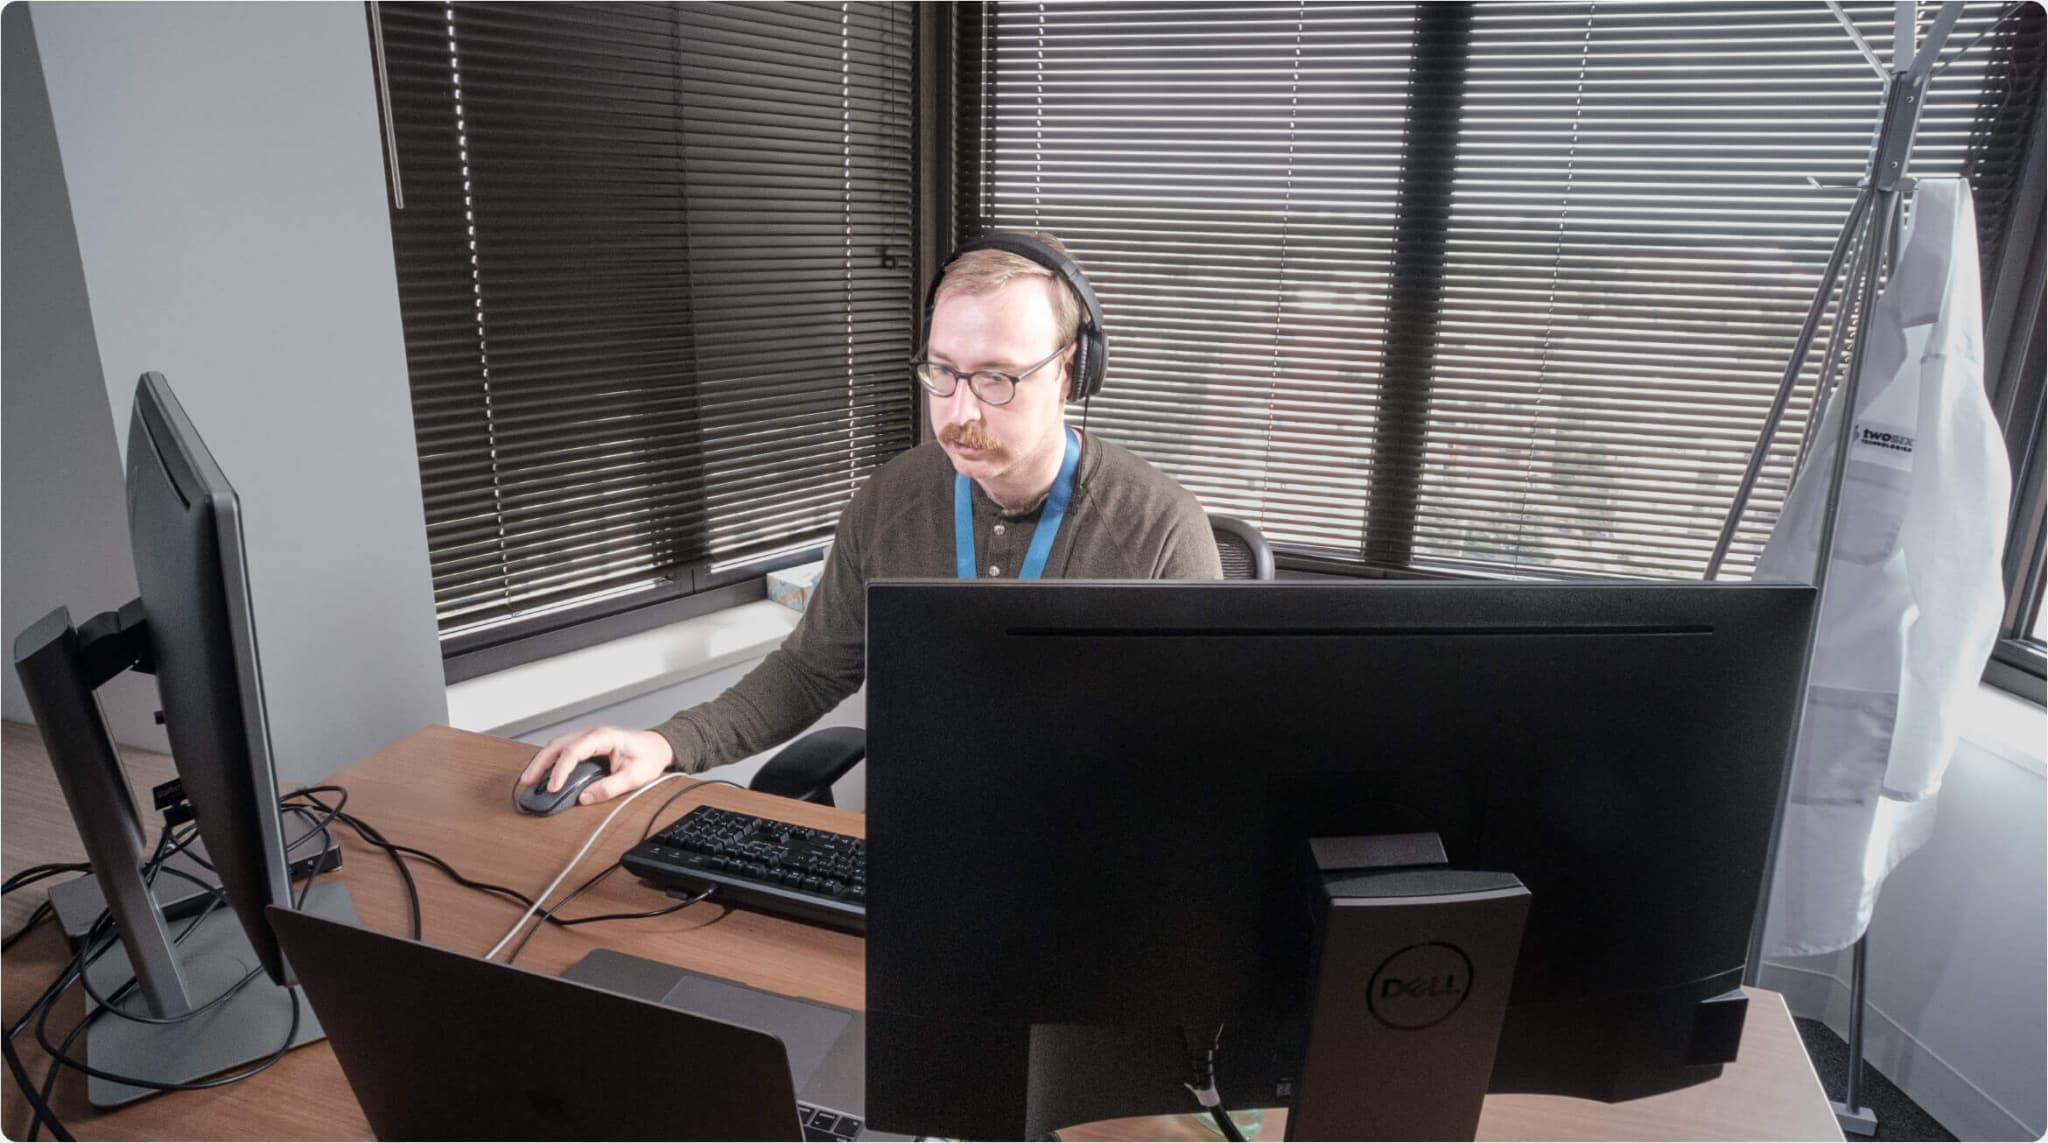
(538, 800)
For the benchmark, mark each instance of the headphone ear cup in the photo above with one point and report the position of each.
(1088, 363)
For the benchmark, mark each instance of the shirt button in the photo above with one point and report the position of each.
(994, 570)
(999, 529)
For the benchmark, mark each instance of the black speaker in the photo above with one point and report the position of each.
(1093, 351)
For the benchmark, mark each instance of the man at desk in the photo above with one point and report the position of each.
(1007, 490)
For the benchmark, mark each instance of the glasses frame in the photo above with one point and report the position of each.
(924, 369)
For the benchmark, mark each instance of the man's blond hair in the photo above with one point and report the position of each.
(981, 272)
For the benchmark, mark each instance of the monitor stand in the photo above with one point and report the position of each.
(175, 974)
(1409, 977)
(245, 1030)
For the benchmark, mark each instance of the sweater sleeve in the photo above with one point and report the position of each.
(1187, 548)
(821, 662)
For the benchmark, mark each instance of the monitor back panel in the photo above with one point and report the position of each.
(1087, 801)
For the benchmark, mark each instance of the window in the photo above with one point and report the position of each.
(2014, 351)
(1495, 289)
(654, 270)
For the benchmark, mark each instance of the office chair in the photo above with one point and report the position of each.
(1244, 551)
(806, 768)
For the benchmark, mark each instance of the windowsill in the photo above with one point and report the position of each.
(2004, 725)
(513, 701)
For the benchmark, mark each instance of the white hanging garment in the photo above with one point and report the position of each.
(1914, 592)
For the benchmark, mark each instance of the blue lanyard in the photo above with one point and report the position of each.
(1041, 537)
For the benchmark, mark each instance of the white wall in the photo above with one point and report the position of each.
(1958, 944)
(64, 540)
(226, 179)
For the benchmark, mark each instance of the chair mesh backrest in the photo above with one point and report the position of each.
(1238, 561)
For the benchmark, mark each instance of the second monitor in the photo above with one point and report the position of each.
(1089, 804)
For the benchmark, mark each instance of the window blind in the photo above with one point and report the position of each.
(653, 269)
(1495, 289)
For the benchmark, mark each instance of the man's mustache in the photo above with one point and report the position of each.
(968, 436)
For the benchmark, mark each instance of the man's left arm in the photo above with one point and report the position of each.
(1187, 547)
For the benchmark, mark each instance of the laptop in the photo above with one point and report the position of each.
(441, 1045)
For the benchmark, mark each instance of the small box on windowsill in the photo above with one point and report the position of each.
(792, 587)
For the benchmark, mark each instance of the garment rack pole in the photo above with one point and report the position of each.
(1870, 230)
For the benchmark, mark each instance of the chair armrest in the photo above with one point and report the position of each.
(806, 768)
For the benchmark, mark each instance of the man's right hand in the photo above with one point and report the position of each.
(637, 758)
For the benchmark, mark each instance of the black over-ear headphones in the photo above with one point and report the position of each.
(1093, 351)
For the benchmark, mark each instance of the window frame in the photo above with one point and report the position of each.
(2016, 337)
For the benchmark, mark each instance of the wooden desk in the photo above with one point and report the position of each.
(449, 792)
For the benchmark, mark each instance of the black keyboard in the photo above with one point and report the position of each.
(760, 863)
(820, 1124)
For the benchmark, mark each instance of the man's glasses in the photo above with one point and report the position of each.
(990, 386)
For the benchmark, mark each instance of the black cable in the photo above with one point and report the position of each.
(43, 912)
(99, 940)
(662, 912)
(87, 955)
(83, 958)
(291, 1033)
(37, 873)
(39, 1098)
(59, 1057)
(307, 792)
(41, 1007)
(50, 1081)
(371, 837)
(218, 897)
(454, 874)
(36, 1102)
(548, 914)
(320, 824)
(113, 1005)
(397, 854)
(1202, 1068)
(697, 785)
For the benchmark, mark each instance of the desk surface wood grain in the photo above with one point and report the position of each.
(449, 792)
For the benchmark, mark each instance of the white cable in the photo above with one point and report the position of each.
(556, 883)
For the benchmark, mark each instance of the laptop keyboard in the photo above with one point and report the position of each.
(821, 1124)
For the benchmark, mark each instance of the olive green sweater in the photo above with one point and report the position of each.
(1127, 520)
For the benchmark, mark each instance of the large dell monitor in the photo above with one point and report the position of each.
(192, 627)
(1089, 808)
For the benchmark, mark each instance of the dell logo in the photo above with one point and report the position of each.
(1420, 986)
